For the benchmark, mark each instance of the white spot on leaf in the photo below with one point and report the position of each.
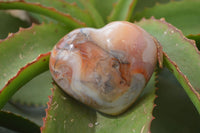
(142, 130)
(56, 107)
(145, 111)
(96, 123)
(133, 118)
(72, 120)
(4, 74)
(21, 56)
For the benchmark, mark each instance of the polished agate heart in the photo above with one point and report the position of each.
(105, 68)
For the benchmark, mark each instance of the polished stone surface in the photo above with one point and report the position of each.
(104, 68)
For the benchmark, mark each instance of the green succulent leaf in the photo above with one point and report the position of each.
(38, 8)
(181, 55)
(22, 48)
(64, 114)
(24, 75)
(182, 14)
(143, 4)
(174, 113)
(68, 8)
(98, 20)
(79, 3)
(104, 7)
(17, 123)
(34, 93)
(123, 10)
(10, 24)
(31, 113)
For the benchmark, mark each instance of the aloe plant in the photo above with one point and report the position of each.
(30, 102)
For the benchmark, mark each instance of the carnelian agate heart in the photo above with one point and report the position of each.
(104, 68)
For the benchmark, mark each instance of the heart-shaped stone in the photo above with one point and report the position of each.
(105, 68)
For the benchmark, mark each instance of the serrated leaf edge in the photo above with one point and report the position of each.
(162, 20)
(81, 24)
(156, 96)
(10, 35)
(184, 76)
(39, 58)
(23, 68)
(191, 42)
(48, 108)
